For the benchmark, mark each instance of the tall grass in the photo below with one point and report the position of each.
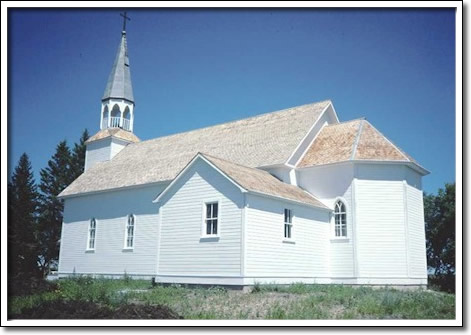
(297, 301)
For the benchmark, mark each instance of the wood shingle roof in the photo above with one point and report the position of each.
(263, 140)
(351, 140)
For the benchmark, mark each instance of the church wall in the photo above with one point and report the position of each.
(269, 257)
(416, 226)
(390, 230)
(110, 210)
(98, 151)
(116, 146)
(330, 183)
(185, 255)
(102, 150)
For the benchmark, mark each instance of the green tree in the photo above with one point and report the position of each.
(77, 163)
(440, 230)
(54, 178)
(22, 206)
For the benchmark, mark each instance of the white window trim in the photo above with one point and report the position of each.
(345, 238)
(88, 249)
(288, 239)
(125, 247)
(208, 237)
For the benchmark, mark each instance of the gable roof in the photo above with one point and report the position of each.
(113, 132)
(352, 140)
(254, 181)
(266, 139)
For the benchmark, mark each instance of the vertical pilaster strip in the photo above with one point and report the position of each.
(356, 270)
(159, 229)
(406, 226)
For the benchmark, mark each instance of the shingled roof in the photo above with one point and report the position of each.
(262, 182)
(263, 140)
(351, 140)
(114, 132)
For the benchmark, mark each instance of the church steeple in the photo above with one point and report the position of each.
(117, 110)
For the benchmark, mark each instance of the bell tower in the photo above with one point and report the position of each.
(117, 103)
(117, 110)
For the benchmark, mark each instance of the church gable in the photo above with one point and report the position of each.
(245, 179)
(200, 171)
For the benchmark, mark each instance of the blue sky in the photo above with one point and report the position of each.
(195, 68)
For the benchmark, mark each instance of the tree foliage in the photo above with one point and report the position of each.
(22, 208)
(440, 230)
(62, 169)
(77, 162)
(54, 178)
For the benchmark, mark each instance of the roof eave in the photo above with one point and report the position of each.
(80, 194)
(302, 203)
(412, 165)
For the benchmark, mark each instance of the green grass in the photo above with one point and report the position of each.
(297, 301)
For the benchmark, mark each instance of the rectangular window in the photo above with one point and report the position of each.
(91, 234)
(130, 231)
(341, 225)
(211, 220)
(288, 223)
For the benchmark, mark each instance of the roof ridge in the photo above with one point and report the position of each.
(344, 122)
(394, 145)
(238, 120)
(357, 139)
(231, 162)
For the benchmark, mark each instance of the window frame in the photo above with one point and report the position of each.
(89, 237)
(288, 224)
(126, 232)
(205, 219)
(342, 226)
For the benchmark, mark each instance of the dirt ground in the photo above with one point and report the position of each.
(89, 310)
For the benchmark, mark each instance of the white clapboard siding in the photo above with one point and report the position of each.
(266, 253)
(330, 183)
(110, 210)
(182, 251)
(416, 227)
(116, 146)
(102, 150)
(380, 230)
(98, 151)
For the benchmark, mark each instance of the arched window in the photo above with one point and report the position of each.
(130, 231)
(340, 215)
(91, 234)
(115, 117)
(127, 119)
(106, 114)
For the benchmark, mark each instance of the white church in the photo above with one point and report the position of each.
(285, 197)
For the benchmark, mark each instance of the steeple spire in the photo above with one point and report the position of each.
(117, 103)
(119, 82)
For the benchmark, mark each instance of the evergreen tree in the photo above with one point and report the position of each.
(22, 206)
(54, 178)
(77, 163)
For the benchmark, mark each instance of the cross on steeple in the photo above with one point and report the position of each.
(124, 20)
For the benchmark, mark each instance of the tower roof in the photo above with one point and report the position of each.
(119, 82)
